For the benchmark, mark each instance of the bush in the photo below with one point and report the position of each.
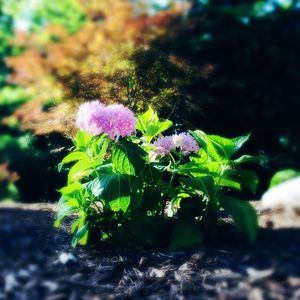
(8, 189)
(144, 188)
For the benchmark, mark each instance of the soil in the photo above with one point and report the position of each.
(37, 263)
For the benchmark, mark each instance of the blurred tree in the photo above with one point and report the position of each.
(93, 63)
(6, 32)
(34, 15)
(21, 154)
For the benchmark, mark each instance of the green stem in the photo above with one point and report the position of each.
(167, 192)
(175, 164)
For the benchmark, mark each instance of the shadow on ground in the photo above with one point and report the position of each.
(32, 266)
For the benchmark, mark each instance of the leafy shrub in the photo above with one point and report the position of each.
(148, 189)
(282, 176)
(8, 189)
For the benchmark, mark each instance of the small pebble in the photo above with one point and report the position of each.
(65, 258)
(10, 283)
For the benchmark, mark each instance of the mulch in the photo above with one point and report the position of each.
(37, 262)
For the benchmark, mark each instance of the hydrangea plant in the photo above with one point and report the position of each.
(128, 183)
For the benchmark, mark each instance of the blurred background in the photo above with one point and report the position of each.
(229, 67)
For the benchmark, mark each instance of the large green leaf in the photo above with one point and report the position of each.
(143, 120)
(228, 147)
(204, 184)
(239, 142)
(81, 236)
(245, 159)
(71, 188)
(218, 147)
(102, 170)
(74, 156)
(80, 169)
(243, 215)
(82, 140)
(247, 179)
(127, 158)
(186, 234)
(114, 189)
(204, 141)
(230, 183)
(66, 206)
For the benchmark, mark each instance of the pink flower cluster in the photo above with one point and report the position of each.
(164, 145)
(115, 120)
(183, 141)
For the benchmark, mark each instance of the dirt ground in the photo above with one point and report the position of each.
(37, 263)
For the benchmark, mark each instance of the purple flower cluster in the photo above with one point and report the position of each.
(164, 145)
(115, 120)
(183, 141)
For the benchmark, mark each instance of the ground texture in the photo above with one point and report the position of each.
(37, 262)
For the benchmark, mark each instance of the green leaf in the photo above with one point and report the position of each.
(204, 141)
(230, 183)
(248, 179)
(73, 156)
(185, 235)
(243, 215)
(64, 212)
(71, 188)
(75, 224)
(127, 158)
(81, 236)
(149, 124)
(282, 176)
(105, 169)
(113, 188)
(96, 186)
(80, 169)
(66, 206)
(245, 159)
(228, 147)
(217, 147)
(99, 148)
(239, 142)
(143, 120)
(223, 146)
(204, 184)
(82, 140)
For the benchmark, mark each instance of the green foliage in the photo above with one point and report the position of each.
(38, 14)
(150, 126)
(243, 215)
(282, 176)
(119, 190)
(6, 33)
(11, 97)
